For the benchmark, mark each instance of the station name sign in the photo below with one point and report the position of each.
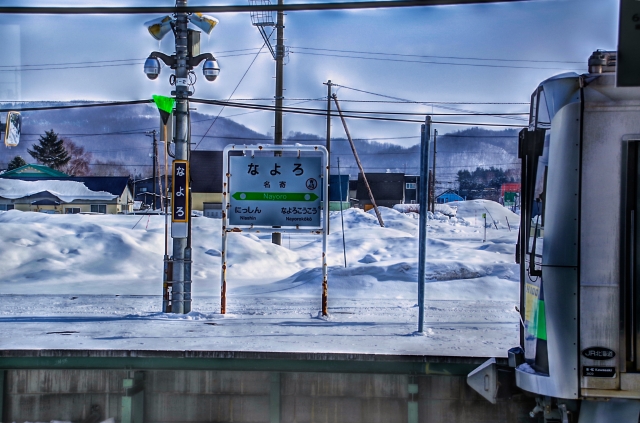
(275, 191)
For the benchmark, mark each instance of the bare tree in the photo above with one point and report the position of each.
(80, 159)
(109, 168)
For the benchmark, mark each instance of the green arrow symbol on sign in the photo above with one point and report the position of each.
(268, 196)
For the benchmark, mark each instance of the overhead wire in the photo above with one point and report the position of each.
(234, 90)
(397, 98)
(432, 62)
(323, 113)
(439, 57)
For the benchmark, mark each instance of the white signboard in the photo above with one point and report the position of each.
(275, 191)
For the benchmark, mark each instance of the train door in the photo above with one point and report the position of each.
(535, 161)
(630, 298)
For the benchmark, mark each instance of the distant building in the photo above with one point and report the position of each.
(412, 189)
(205, 168)
(143, 191)
(103, 195)
(33, 171)
(448, 196)
(95, 194)
(338, 184)
(387, 189)
(510, 193)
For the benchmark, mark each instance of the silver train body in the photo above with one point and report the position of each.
(579, 252)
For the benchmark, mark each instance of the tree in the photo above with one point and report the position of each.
(50, 151)
(481, 183)
(16, 162)
(80, 160)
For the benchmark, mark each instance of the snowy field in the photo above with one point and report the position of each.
(94, 282)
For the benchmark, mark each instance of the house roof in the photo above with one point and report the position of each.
(33, 171)
(450, 193)
(63, 189)
(114, 185)
(384, 186)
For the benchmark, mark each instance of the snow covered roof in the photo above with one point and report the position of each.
(33, 171)
(66, 191)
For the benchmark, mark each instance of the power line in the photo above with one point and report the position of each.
(233, 92)
(251, 106)
(403, 99)
(323, 113)
(77, 106)
(439, 57)
(122, 10)
(324, 100)
(429, 62)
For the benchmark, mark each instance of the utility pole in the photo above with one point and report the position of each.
(328, 143)
(276, 238)
(435, 150)
(422, 227)
(155, 159)
(355, 155)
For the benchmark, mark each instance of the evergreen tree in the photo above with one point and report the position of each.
(50, 152)
(16, 162)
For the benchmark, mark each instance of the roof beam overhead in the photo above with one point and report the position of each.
(382, 4)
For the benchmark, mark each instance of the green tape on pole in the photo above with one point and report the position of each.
(267, 196)
(165, 106)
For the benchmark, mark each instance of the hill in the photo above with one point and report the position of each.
(115, 136)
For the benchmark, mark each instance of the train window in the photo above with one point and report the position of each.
(536, 231)
(542, 116)
(538, 112)
(533, 111)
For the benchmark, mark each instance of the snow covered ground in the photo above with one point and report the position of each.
(94, 281)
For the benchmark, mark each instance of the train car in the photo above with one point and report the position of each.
(579, 252)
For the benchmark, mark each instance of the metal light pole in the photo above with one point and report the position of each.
(187, 56)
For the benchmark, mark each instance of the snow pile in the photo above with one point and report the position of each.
(66, 191)
(123, 254)
(446, 209)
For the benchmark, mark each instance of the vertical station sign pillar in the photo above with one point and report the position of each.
(180, 199)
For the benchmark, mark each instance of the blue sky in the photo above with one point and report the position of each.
(526, 42)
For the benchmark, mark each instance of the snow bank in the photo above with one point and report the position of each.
(66, 191)
(445, 209)
(123, 254)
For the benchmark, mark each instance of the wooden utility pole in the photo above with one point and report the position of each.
(355, 154)
(328, 143)
(276, 238)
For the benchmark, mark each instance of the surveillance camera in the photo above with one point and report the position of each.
(211, 70)
(152, 68)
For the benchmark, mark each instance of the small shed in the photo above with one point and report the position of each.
(448, 196)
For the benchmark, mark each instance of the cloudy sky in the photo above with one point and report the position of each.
(490, 53)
